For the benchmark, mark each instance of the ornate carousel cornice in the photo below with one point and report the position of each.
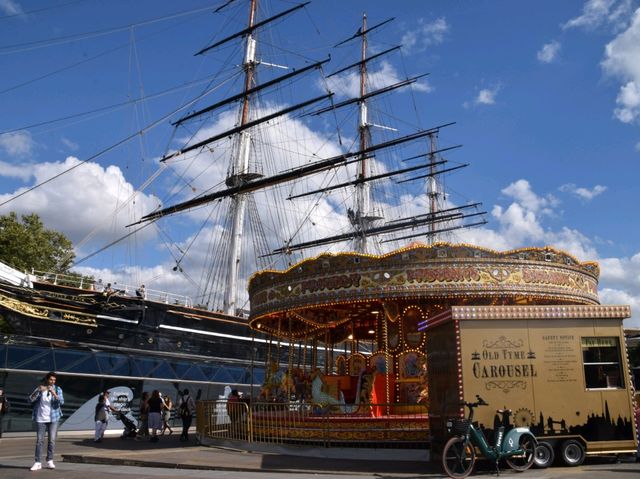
(557, 256)
(326, 289)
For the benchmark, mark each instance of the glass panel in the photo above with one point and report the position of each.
(258, 376)
(601, 357)
(600, 350)
(222, 376)
(19, 354)
(164, 371)
(88, 365)
(65, 359)
(237, 374)
(116, 364)
(181, 367)
(602, 376)
(30, 357)
(146, 365)
(195, 374)
(209, 371)
(126, 368)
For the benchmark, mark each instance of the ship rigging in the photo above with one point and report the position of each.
(365, 228)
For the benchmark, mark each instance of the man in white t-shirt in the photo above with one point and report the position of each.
(47, 400)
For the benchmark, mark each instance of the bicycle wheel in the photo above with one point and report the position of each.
(458, 458)
(523, 461)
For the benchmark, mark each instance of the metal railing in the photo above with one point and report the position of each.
(82, 282)
(310, 424)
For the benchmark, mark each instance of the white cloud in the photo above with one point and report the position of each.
(637, 146)
(616, 296)
(594, 14)
(19, 143)
(549, 52)
(628, 100)
(572, 241)
(82, 201)
(425, 35)
(73, 146)
(583, 193)
(9, 7)
(620, 284)
(348, 85)
(22, 171)
(487, 96)
(520, 222)
(522, 192)
(622, 60)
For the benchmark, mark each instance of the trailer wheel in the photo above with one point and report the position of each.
(572, 453)
(544, 455)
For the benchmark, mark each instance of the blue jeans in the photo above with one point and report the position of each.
(52, 430)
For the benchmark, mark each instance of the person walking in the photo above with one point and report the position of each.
(187, 409)
(155, 414)
(143, 430)
(166, 415)
(47, 401)
(234, 406)
(4, 408)
(103, 408)
(141, 292)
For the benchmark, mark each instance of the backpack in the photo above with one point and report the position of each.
(101, 414)
(184, 409)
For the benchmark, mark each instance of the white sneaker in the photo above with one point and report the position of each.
(36, 466)
(50, 465)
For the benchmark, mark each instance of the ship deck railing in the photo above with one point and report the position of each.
(90, 284)
(368, 425)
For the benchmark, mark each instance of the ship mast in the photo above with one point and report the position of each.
(239, 173)
(362, 219)
(432, 188)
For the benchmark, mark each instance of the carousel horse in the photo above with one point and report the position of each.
(318, 392)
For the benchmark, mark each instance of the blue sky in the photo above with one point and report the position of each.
(546, 100)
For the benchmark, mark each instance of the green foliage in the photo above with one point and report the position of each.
(27, 245)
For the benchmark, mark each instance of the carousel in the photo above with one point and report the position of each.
(349, 322)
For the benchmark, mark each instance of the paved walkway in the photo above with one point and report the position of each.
(170, 452)
(78, 457)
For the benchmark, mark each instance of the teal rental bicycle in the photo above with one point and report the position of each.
(517, 447)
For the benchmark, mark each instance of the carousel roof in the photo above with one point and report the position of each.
(330, 291)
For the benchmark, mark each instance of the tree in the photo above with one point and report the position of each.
(27, 245)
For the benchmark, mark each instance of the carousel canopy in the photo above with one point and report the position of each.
(336, 297)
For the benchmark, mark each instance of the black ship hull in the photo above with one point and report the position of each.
(77, 316)
(97, 342)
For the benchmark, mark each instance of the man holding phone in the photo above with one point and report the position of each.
(47, 400)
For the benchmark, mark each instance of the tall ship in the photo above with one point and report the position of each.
(304, 154)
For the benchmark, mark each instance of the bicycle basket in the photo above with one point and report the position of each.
(459, 426)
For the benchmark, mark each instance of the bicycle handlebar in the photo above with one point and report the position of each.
(479, 402)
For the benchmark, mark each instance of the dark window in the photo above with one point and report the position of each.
(601, 357)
